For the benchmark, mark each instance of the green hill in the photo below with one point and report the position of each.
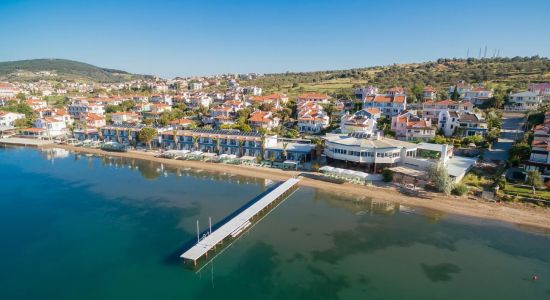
(506, 74)
(60, 69)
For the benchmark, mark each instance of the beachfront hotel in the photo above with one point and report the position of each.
(234, 142)
(374, 153)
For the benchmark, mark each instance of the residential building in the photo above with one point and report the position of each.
(540, 149)
(361, 121)
(362, 92)
(78, 107)
(125, 117)
(389, 104)
(461, 123)
(52, 126)
(8, 118)
(263, 119)
(432, 109)
(461, 86)
(524, 101)
(37, 104)
(429, 94)
(409, 127)
(543, 89)
(312, 97)
(311, 117)
(181, 124)
(478, 95)
(93, 120)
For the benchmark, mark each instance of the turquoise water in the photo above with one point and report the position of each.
(97, 228)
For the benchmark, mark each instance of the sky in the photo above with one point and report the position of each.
(204, 37)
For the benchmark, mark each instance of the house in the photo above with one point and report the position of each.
(429, 94)
(78, 107)
(461, 86)
(252, 90)
(361, 121)
(478, 95)
(36, 104)
(362, 92)
(263, 119)
(125, 117)
(524, 101)
(181, 123)
(389, 104)
(461, 123)
(277, 100)
(540, 149)
(8, 118)
(409, 127)
(52, 126)
(195, 86)
(311, 117)
(432, 109)
(93, 120)
(543, 89)
(312, 97)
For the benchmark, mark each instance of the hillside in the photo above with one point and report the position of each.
(503, 73)
(60, 69)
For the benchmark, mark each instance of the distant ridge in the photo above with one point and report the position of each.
(61, 69)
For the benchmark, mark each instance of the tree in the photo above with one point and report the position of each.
(455, 95)
(387, 175)
(534, 180)
(437, 174)
(112, 109)
(146, 135)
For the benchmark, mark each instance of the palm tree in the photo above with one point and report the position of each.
(285, 145)
(196, 142)
(241, 144)
(99, 133)
(319, 143)
(175, 133)
(216, 142)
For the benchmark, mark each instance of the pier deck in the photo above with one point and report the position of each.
(239, 223)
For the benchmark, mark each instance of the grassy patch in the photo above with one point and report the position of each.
(472, 179)
(526, 192)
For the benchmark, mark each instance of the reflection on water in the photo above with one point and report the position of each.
(112, 228)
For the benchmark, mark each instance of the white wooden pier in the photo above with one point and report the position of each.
(239, 223)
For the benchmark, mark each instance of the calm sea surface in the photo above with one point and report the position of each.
(78, 227)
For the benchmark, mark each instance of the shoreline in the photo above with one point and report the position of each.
(521, 215)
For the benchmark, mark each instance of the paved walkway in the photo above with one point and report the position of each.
(512, 130)
(25, 142)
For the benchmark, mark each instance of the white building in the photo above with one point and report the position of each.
(9, 118)
(461, 123)
(51, 126)
(79, 107)
(362, 121)
(524, 101)
(478, 95)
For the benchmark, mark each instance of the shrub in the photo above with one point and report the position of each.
(460, 189)
(387, 175)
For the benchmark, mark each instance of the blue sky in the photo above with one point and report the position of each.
(201, 37)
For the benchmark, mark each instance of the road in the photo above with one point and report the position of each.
(512, 130)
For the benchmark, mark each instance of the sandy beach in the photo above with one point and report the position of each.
(523, 215)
